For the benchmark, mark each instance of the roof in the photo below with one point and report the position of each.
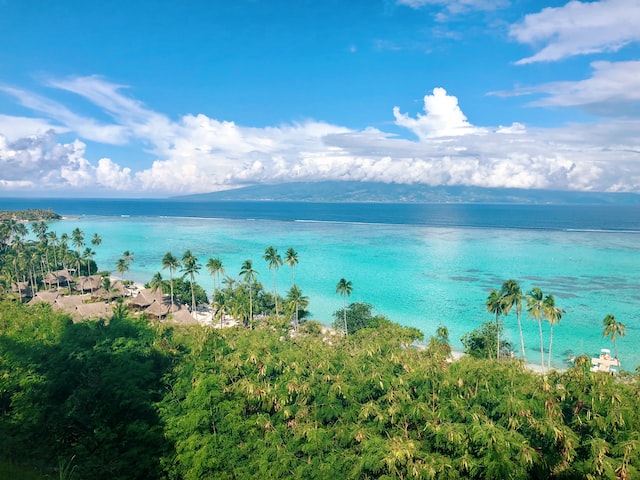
(46, 296)
(182, 316)
(146, 297)
(94, 310)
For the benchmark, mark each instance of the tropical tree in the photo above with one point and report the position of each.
(512, 298)
(122, 266)
(344, 288)
(172, 263)
(291, 259)
(553, 314)
(296, 300)
(77, 240)
(156, 282)
(495, 305)
(274, 261)
(249, 275)
(536, 309)
(216, 268)
(88, 254)
(613, 329)
(190, 266)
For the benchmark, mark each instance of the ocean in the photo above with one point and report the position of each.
(421, 265)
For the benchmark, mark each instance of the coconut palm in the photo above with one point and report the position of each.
(512, 298)
(172, 263)
(291, 259)
(156, 283)
(122, 266)
(215, 267)
(274, 261)
(553, 314)
(613, 329)
(77, 240)
(536, 309)
(495, 305)
(344, 288)
(190, 266)
(296, 300)
(249, 275)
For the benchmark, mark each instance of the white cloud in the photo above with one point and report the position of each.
(612, 90)
(443, 118)
(579, 28)
(14, 128)
(196, 153)
(456, 6)
(87, 128)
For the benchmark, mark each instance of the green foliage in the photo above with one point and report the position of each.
(125, 400)
(85, 391)
(182, 291)
(359, 315)
(483, 341)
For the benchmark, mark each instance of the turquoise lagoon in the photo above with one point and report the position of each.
(417, 275)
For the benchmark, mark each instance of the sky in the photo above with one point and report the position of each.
(160, 98)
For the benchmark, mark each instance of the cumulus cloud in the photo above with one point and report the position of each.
(196, 153)
(579, 28)
(443, 118)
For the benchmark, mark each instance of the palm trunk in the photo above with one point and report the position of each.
(275, 293)
(524, 356)
(541, 346)
(498, 336)
(550, 345)
(345, 316)
(171, 285)
(250, 304)
(193, 296)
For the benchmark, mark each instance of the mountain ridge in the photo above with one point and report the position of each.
(374, 192)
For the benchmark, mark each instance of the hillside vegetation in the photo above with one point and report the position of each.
(127, 399)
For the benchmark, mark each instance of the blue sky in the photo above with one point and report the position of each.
(162, 98)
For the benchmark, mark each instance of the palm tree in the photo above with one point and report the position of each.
(553, 315)
(344, 288)
(77, 240)
(495, 305)
(122, 266)
(156, 283)
(52, 241)
(613, 329)
(190, 266)
(535, 307)
(274, 261)
(172, 263)
(297, 301)
(512, 298)
(291, 259)
(249, 276)
(215, 267)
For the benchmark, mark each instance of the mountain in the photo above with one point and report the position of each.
(350, 191)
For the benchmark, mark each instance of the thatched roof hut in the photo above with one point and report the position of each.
(89, 283)
(68, 303)
(94, 310)
(59, 278)
(145, 298)
(46, 296)
(182, 316)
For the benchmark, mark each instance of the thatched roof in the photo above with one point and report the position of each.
(87, 283)
(45, 296)
(68, 303)
(94, 310)
(182, 316)
(60, 277)
(22, 287)
(146, 297)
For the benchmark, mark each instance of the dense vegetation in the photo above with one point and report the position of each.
(127, 398)
(29, 215)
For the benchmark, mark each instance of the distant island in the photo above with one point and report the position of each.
(29, 215)
(372, 192)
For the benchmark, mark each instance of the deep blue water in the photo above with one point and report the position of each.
(546, 217)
